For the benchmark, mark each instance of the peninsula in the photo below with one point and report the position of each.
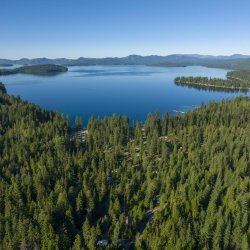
(235, 80)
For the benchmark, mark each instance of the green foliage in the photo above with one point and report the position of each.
(236, 80)
(240, 75)
(175, 182)
(42, 69)
(78, 123)
(2, 88)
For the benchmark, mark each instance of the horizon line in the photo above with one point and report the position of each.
(179, 54)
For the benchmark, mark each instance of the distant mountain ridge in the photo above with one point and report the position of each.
(236, 61)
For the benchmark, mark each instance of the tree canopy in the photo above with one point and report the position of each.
(236, 80)
(175, 182)
(42, 69)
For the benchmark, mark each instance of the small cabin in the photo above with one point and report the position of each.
(102, 243)
(158, 199)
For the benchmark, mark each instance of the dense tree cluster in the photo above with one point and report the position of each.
(179, 182)
(241, 75)
(238, 80)
(43, 69)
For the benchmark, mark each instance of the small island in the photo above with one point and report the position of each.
(6, 65)
(44, 69)
(236, 80)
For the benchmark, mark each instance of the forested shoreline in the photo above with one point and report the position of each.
(175, 182)
(43, 69)
(236, 80)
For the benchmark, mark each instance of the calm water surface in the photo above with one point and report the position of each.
(103, 90)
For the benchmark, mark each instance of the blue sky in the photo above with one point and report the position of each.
(100, 28)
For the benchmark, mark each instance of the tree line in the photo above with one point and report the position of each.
(41, 69)
(236, 80)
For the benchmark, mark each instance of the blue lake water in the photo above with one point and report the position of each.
(127, 90)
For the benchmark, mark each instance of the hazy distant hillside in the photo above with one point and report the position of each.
(237, 62)
(232, 62)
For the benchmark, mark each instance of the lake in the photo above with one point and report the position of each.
(127, 90)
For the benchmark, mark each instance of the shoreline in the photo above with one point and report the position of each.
(211, 85)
